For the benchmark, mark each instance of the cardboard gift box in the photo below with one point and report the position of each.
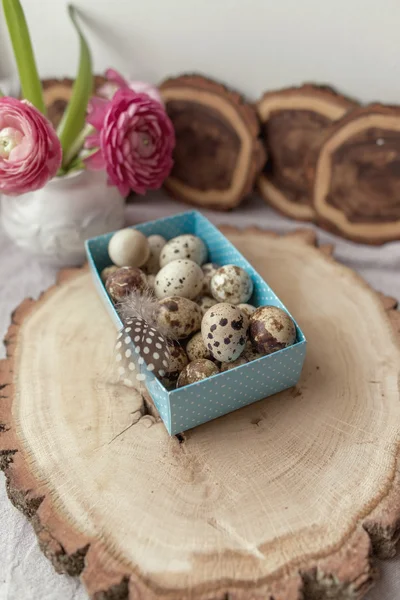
(192, 405)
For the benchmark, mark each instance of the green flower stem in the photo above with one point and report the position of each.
(77, 144)
(73, 120)
(23, 52)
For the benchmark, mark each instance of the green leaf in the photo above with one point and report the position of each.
(78, 144)
(1, 94)
(74, 117)
(23, 52)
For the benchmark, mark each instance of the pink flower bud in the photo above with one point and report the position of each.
(115, 81)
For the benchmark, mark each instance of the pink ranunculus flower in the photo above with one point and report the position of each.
(115, 82)
(30, 151)
(135, 140)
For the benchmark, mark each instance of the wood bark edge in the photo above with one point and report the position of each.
(345, 573)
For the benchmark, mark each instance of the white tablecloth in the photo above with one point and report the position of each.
(25, 574)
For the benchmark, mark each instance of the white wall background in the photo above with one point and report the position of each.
(252, 45)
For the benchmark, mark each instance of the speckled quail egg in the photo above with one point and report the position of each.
(248, 309)
(231, 284)
(178, 317)
(177, 362)
(185, 246)
(179, 278)
(250, 353)
(206, 302)
(107, 272)
(271, 329)
(227, 366)
(129, 248)
(224, 329)
(156, 244)
(195, 348)
(209, 269)
(151, 279)
(123, 281)
(197, 371)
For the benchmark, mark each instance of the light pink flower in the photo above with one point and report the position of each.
(116, 82)
(135, 139)
(30, 152)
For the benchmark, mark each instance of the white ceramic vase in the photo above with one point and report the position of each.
(53, 223)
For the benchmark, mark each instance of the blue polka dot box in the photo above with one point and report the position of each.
(194, 404)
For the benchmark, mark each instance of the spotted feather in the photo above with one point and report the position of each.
(141, 347)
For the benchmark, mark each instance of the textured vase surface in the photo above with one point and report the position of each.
(53, 223)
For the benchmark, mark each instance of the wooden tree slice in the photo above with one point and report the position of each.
(294, 124)
(357, 181)
(285, 499)
(57, 93)
(218, 154)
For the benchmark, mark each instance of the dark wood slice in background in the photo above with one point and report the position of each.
(57, 93)
(294, 123)
(357, 179)
(218, 153)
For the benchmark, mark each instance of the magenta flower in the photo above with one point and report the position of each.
(135, 139)
(30, 152)
(115, 81)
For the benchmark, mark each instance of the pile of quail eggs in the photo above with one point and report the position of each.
(203, 307)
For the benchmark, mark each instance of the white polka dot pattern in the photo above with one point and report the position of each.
(236, 388)
(141, 359)
(200, 402)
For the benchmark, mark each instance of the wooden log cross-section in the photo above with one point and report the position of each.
(218, 154)
(294, 122)
(286, 499)
(357, 177)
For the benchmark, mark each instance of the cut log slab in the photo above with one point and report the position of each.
(57, 93)
(286, 499)
(294, 122)
(218, 154)
(357, 179)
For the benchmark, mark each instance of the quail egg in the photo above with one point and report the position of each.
(271, 329)
(185, 246)
(248, 309)
(209, 269)
(197, 371)
(231, 284)
(156, 244)
(250, 353)
(206, 302)
(126, 279)
(227, 366)
(129, 247)
(151, 281)
(195, 348)
(178, 317)
(177, 362)
(224, 329)
(107, 272)
(179, 278)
